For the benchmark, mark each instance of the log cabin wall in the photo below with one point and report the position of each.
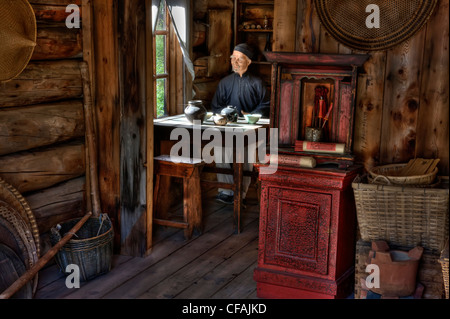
(402, 100)
(42, 121)
(42, 130)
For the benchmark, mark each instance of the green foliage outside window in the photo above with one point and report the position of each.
(160, 69)
(160, 51)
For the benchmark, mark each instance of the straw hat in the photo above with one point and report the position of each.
(17, 37)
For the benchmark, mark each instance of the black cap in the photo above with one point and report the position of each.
(245, 48)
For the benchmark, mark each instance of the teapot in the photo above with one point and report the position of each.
(231, 113)
(219, 119)
(195, 111)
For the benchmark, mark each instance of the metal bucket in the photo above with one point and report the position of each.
(91, 248)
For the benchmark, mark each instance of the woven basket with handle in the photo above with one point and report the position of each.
(389, 175)
(402, 216)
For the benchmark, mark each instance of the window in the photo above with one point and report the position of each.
(160, 57)
(172, 86)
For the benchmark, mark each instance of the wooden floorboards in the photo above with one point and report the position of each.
(218, 264)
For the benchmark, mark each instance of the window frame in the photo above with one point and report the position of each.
(165, 76)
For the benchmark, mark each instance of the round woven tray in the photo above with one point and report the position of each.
(14, 199)
(19, 225)
(388, 175)
(345, 20)
(11, 269)
(15, 210)
(11, 238)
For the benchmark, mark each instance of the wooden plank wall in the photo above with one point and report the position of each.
(122, 60)
(105, 58)
(402, 100)
(132, 57)
(42, 121)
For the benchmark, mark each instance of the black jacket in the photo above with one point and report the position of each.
(247, 93)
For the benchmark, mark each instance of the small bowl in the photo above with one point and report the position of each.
(208, 115)
(252, 118)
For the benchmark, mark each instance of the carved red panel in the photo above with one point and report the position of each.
(297, 233)
(289, 115)
(285, 118)
(344, 115)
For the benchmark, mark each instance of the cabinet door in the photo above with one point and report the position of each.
(297, 229)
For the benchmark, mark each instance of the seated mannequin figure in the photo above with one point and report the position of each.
(247, 92)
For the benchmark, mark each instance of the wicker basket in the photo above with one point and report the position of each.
(388, 175)
(91, 248)
(444, 263)
(403, 216)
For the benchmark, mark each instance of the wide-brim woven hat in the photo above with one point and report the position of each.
(345, 20)
(17, 37)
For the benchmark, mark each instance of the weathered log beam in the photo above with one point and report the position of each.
(48, 13)
(55, 2)
(42, 82)
(107, 106)
(24, 128)
(29, 171)
(133, 215)
(59, 203)
(58, 42)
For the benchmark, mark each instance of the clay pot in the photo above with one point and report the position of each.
(231, 113)
(195, 111)
(398, 271)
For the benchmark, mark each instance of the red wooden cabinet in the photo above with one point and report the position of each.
(307, 233)
(308, 218)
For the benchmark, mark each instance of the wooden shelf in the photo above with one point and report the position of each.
(257, 2)
(255, 12)
(257, 30)
(262, 62)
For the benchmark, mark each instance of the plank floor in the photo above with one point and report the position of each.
(217, 264)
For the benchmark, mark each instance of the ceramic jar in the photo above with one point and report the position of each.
(195, 111)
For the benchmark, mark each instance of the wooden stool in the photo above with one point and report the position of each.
(189, 170)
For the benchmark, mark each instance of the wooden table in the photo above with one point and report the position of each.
(163, 127)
